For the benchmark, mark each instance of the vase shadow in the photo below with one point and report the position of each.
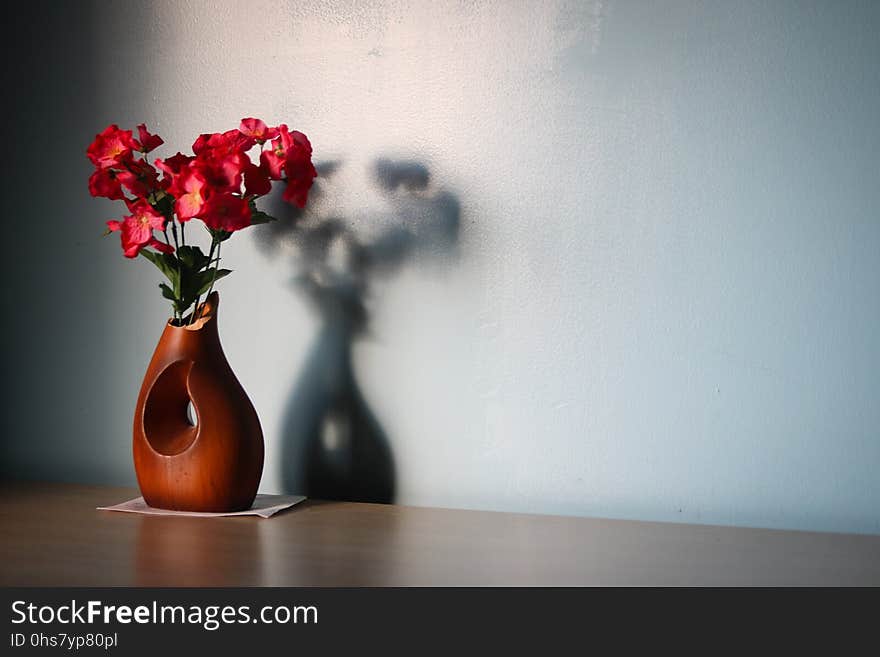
(333, 446)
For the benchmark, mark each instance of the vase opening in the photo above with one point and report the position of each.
(206, 311)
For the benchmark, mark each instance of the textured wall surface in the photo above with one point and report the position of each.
(641, 274)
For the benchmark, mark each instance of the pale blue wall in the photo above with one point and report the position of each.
(663, 299)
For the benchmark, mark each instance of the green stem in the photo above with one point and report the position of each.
(210, 257)
(216, 266)
(173, 307)
(177, 257)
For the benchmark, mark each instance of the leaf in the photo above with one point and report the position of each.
(260, 217)
(192, 257)
(167, 292)
(219, 235)
(189, 282)
(172, 269)
(208, 279)
(164, 204)
(165, 262)
(257, 215)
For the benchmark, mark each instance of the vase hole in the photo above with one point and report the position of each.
(169, 424)
(191, 416)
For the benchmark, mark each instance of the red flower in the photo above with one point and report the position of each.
(223, 173)
(222, 159)
(222, 141)
(137, 230)
(207, 185)
(171, 166)
(291, 156)
(300, 171)
(226, 212)
(174, 164)
(105, 183)
(190, 188)
(112, 147)
(238, 140)
(299, 182)
(201, 143)
(257, 130)
(300, 143)
(139, 177)
(148, 142)
(232, 165)
(256, 182)
(272, 160)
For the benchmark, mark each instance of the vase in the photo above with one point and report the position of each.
(212, 461)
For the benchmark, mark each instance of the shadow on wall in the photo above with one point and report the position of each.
(333, 446)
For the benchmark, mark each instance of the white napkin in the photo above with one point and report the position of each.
(264, 506)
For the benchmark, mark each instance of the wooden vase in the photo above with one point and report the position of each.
(216, 465)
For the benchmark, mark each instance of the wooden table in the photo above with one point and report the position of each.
(53, 536)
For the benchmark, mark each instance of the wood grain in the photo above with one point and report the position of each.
(52, 535)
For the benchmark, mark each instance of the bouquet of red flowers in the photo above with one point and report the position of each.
(218, 185)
